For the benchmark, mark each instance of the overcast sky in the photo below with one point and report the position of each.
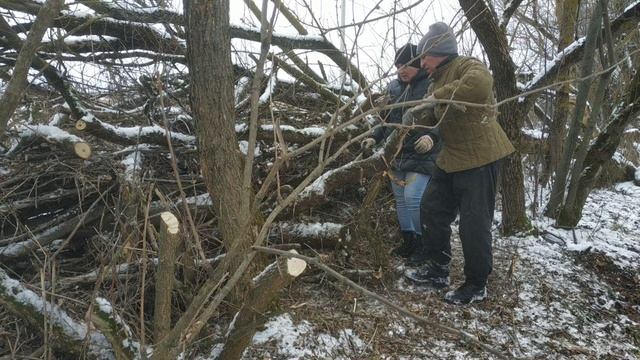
(372, 44)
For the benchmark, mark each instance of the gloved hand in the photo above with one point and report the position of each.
(423, 144)
(367, 143)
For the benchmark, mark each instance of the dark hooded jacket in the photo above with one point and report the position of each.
(408, 159)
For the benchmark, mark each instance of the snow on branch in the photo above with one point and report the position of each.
(152, 134)
(115, 330)
(132, 34)
(291, 134)
(71, 334)
(151, 14)
(308, 42)
(318, 191)
(573, 53)
(55, 135)
(509, 9)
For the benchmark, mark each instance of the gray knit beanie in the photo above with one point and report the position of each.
(438, 41)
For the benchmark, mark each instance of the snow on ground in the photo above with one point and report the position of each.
(544, 302)
(611, 224)
(298, 340)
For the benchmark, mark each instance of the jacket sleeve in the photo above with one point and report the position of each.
(434, 134)
(425, 117)
(382, 132)
(475, 84)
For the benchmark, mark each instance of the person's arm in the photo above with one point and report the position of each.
(420, 115)
(434, 133)
(474, 86)
(391, 93)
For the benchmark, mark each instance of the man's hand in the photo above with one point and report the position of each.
(423, 144)
(367, 143)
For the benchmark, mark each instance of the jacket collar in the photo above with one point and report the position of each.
(421, 75)
(444, 65)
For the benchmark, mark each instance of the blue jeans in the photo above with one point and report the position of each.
(408, 188)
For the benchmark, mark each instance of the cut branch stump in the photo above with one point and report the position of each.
(265, 289)
(168, 243)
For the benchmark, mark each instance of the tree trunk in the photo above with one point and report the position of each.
(212, 104)
(556, 198)
(209, 58)
(603, 149)
(566, 14)
(512, 114)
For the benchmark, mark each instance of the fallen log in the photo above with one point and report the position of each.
(313, 235)
(120, 271)
(23, 248)
(39, 201)
(352, 173)
(130, 135)
(114, 329)
(317, 192)
(69, 335)
(53, 135)
(265, 289)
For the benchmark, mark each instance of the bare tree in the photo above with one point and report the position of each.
(18, 82)
(239, 158)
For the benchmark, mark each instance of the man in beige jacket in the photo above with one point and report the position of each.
(464, 181)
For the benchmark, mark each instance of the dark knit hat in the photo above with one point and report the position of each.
(407, 55)
(438, 41)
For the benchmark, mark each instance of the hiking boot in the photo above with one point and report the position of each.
(419, 255)
(466, 294)
(431, 274)
(408, 245)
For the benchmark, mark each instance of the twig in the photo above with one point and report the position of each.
(403, 311)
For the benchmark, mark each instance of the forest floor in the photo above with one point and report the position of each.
(557, 294)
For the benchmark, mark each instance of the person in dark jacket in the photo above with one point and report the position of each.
(411, 169)
(464, 181)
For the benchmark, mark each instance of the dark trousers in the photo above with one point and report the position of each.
(471, 193)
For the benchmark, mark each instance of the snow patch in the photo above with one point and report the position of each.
(312, 229)
(132, 164)
(534, 133)
(244, 148)
(291, 343)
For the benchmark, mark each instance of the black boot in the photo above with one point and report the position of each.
(466, 294)
(430, 273)
(419, 255)
(408, 245)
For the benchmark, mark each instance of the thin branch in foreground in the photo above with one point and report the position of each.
(463, 335)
